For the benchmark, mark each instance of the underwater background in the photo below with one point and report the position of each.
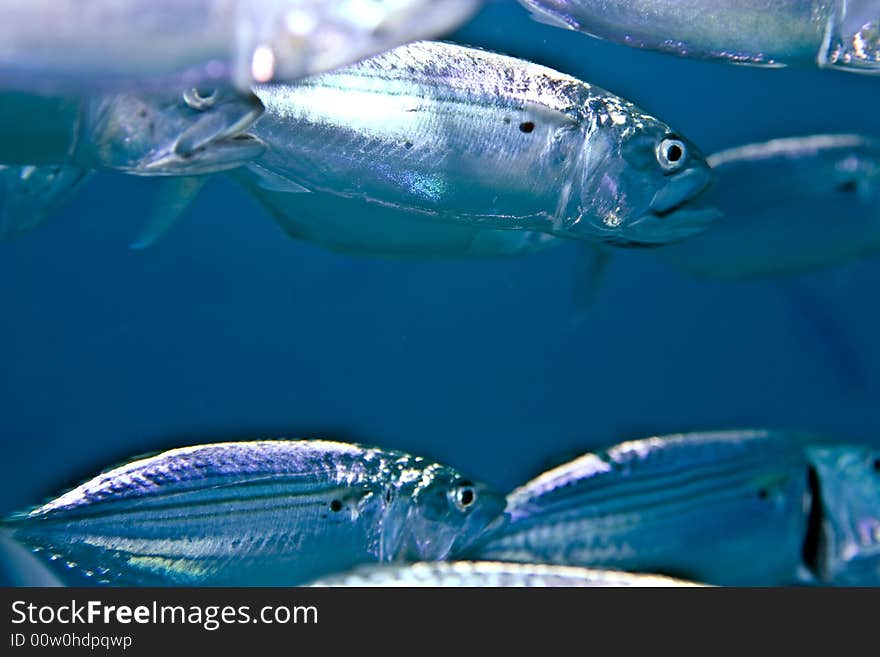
(229, 329)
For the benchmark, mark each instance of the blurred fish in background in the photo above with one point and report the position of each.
(742, 508)
(65, 46)
(838, 34)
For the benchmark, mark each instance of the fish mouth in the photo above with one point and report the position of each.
(680, 190)
(469, 546)
(652, 230)
(214, 142)
(675, 212)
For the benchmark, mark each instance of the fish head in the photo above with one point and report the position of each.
(853, 169)
(640, 182)
(189, 133)
(288, 42)
(440, 514)
(848, 483)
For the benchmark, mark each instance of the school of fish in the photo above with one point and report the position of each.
(359, 133)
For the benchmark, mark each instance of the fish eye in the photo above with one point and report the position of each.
(671, 153)
(198, 99)
(463, 496)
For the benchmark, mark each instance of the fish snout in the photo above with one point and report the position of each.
(680, 189)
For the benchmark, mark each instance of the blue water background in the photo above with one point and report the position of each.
(228, 329)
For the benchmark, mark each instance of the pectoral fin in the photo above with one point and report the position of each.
(174, 196)
(591, 263)
(29, 195)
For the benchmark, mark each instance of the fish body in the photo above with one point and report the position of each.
(254, 513)
(847, 515)
(51, 45)
(790, 206)
(840, 34)
(725, 508)
(491, 574)
(460, 135)
(356, 227)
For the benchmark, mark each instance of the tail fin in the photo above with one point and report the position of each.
(29, 195)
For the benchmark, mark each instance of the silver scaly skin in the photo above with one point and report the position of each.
(839, 34)
(104, 45)
(461, 135)
(727, 508)
(255, 513)
(485, 574)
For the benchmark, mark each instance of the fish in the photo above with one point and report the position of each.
(148, 134)
(812, 202)
(724, 508)
(844, 545)
(460, 135)
(834, 34)
(49, 146)
(490, 574)
(48, 46)
(260, 513)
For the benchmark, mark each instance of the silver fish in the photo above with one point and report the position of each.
(724, 508)
(846, 540)
(487, 573)
(460, 135)
(51, 144)
(790, 205)
(255, 513)
(169, 133)
(839, 34)
(62, 45)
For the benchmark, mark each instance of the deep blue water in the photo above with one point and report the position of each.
(228, 329)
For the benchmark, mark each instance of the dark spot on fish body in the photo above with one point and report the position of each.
(527, 127)
(407, 144)
(336, 506)
(847, 186)
(763, 494)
